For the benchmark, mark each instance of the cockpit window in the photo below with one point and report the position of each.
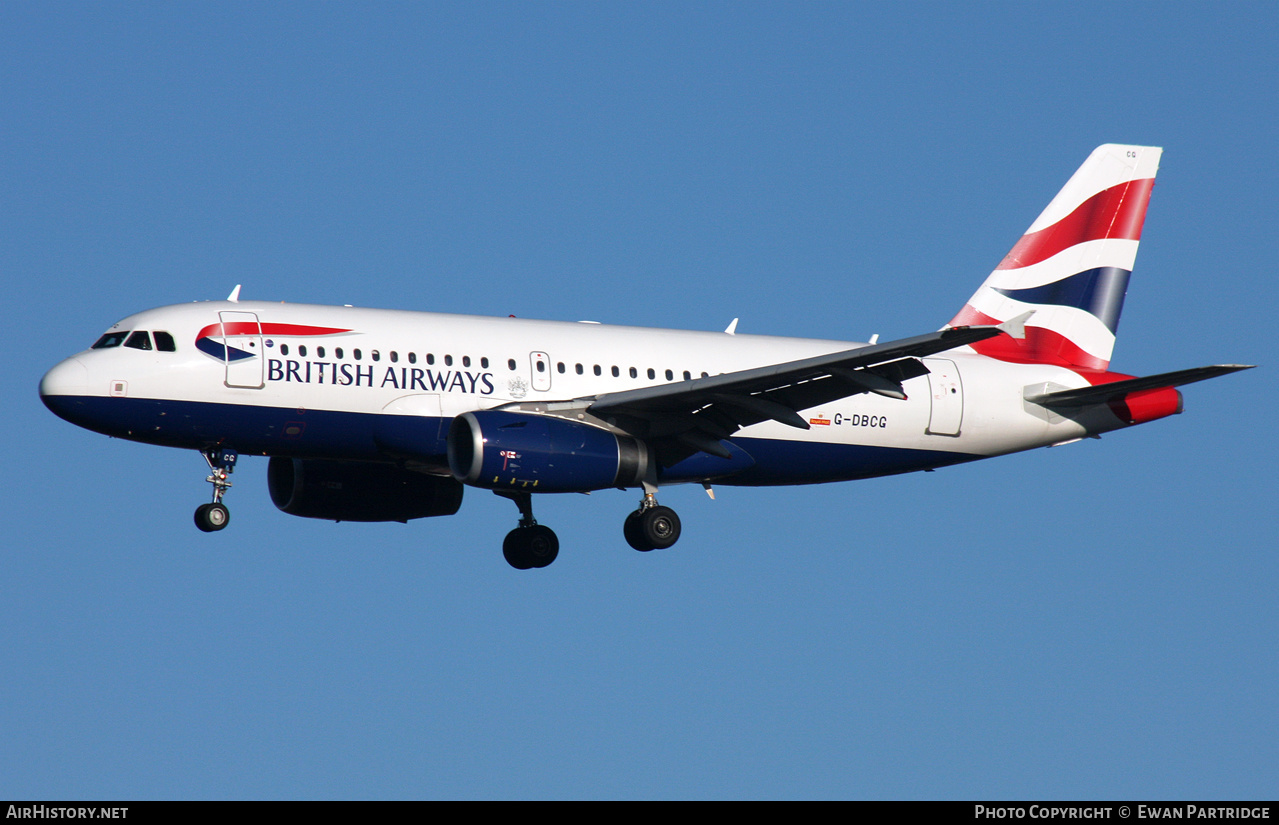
(139, 340)
(111, 339)
(164, 342)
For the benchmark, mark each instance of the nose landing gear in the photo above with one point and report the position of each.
(215, 516)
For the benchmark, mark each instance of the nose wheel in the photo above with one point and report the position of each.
(215, 516)
(212, 517)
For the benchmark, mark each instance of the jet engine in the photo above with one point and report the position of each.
(529, 452)
(355, 491)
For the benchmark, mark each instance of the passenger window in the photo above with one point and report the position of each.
(510, 364)
(164, 342)
(337, 353)
(578, 367)
(634, 373)
(139, 340)
(560, 367)
(670, 376)
(356, 354)
(430, 358)
(687, 376)
(111, 339)
(651, 373)
(395, 356)
(375, 355)
(448, 360)
(466, 360)
(412, 357)
(302, 350)
(597, 369)
(616, 372)
(319, 351)
(484, 363)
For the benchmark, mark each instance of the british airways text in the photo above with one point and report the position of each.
(362, 375)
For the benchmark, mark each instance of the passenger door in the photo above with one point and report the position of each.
(242, 349)
(947, 391)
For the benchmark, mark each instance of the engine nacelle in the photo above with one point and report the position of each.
(354, 491)
(502, 450)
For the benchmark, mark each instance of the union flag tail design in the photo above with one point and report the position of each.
(1072, 265)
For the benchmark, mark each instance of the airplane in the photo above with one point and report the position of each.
(388, 415)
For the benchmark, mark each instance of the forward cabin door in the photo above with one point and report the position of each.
(242, 349)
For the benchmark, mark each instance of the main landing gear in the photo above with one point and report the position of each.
(214, 516)
(651, 527)
(531, 544)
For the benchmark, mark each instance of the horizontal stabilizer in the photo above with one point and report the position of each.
(1103, 393)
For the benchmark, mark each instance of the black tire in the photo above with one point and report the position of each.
(530, 547)
(543, 545)
(212, 517)
(634, 534)
(514, 551)
(659, 527)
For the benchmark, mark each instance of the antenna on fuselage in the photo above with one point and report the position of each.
(234, 297)
(732, 328)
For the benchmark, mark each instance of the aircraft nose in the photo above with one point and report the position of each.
(69, 378)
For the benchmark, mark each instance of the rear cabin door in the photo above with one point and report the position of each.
(242, 349)
(947, 392)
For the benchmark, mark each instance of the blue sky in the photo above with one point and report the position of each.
(1092, 621)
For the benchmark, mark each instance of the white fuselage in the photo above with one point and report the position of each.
(324, 375)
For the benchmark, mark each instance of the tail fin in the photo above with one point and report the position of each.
(1072, 265)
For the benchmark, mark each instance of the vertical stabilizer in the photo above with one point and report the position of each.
(1072, 265)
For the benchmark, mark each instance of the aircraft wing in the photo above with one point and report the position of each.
(688, 416)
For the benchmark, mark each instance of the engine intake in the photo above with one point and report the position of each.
(353, 491)
(501, 450)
